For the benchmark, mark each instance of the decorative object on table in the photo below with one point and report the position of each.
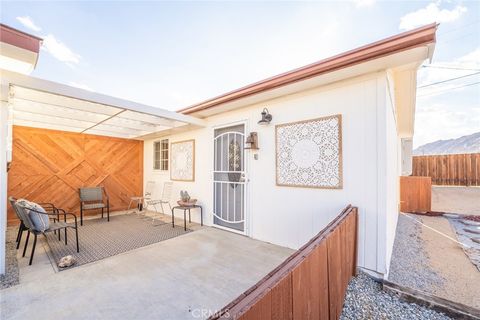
(309, 153)
(66, 262)
(185, 200)
(184, 196)
(183, 161)
(251, 143)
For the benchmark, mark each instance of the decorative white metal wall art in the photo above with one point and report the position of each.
(182, 166)
(309, 153)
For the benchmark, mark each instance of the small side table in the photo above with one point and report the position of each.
(185, 209)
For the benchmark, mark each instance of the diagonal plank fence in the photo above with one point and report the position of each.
(310, 284)
(449, 169)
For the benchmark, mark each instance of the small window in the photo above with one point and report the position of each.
(160, 155)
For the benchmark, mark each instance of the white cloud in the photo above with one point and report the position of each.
(28, 23)
(431, 13)
(364, 3)
(80, 86)
(52, 45)
(59, 50)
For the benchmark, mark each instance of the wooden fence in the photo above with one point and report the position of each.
(50, 166)
(450, 169)
(310, 284)
(415, 194)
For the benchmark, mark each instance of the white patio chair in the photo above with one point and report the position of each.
(140, 202)
(165, 199)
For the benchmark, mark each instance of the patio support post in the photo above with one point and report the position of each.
(4, 142)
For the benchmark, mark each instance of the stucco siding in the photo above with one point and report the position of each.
(290, 216)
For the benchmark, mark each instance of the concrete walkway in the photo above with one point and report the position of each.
(464, 200)
(187, 277)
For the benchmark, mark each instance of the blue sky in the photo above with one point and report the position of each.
(173, 54)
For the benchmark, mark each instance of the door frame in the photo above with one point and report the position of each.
(246, 163)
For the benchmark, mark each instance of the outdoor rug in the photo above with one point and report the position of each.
(100, 239)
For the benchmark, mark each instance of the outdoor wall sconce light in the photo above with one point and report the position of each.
(252, 141)
(266, 117)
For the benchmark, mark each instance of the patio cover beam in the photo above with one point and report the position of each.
(160, 117)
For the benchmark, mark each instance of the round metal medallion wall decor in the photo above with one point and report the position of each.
(182, 166)
(309, 153)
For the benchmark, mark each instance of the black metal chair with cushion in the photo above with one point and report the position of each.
(93, 198)
(50, 208)
(26, 210)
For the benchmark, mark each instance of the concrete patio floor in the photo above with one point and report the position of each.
(186, 277)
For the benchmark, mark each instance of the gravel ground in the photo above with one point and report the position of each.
(365, 299)
(11, 276)
(410, 265)
(473, 252)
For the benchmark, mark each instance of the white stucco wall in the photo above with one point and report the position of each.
(392, 172)
(290, 216)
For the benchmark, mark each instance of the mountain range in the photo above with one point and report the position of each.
(465, 144)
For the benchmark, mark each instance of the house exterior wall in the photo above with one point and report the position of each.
(290, 216)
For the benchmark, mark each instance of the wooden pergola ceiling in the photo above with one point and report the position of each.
(38, 109)
(33, 108)
(40, 103)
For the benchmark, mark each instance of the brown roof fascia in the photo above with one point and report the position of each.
(401, 42)
(19, 38)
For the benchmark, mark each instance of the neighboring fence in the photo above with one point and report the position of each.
(50, 166)
(450, 169)
(415, 194)
(310, 284)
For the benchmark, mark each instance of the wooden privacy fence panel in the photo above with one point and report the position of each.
(415, 194)
(310, 284)
(449, 169)
(50, 166)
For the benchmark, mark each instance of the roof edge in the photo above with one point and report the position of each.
(401, 42)
(19, 38)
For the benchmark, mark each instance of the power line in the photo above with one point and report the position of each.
(449, 89)
(448, 68)
(432, 84)
(459, 28)
(442, 42)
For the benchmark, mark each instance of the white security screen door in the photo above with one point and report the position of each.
(229, 178)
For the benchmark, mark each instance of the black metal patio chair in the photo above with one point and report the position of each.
(56, 226)
(93, 198)
(50, 208)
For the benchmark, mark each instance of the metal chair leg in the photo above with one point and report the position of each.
(26, 244)
(19, 232)
(102, 213)
(19, 237)
(76, 237)
(33, 249)
(65, 235)
(108, 212)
